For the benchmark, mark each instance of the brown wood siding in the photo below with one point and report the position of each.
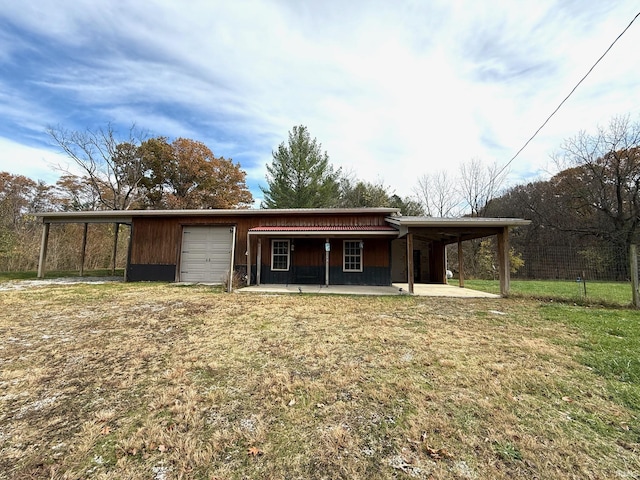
(375, 252)
(157, 240)
(310, 251)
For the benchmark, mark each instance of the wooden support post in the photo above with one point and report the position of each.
(248, 259)
(43, 249)
(460, 264)
(410, 261)
(114, 253)
(504, 269)
(259, 261)
(633, 259)
(326, 261)
(83, 252)
(232, 260)
(128, 265)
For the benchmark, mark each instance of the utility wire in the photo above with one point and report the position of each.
(567, 97)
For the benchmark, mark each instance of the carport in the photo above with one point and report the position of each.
(437, 233)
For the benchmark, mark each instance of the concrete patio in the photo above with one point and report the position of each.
(420, 289)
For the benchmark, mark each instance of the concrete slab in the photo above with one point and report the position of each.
(422, 290)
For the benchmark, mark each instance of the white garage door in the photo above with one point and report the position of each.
(206, 254)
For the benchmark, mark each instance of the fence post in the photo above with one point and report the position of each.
(633, 259)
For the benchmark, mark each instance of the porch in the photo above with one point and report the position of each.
(419, 289)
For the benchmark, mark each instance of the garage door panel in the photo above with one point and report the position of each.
(206, 254)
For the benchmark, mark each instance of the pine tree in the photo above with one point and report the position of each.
(300, 175)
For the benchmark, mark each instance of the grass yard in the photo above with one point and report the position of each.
(160, 381)
(604, 293)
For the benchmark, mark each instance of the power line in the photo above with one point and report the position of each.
(569, 95)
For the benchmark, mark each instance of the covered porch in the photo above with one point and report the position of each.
(319, 255)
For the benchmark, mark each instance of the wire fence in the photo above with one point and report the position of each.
(563, 262)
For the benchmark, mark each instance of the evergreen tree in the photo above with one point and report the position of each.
(300, 175)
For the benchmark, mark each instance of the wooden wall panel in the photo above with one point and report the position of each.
(155, 241)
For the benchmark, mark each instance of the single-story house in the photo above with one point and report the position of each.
(356, 246)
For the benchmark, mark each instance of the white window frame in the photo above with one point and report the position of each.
(273, 254)
(359, 255)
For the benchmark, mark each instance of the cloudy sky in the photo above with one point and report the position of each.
(392, 89)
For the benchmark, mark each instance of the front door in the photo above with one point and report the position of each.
(307, 261)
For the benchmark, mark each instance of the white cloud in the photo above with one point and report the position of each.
(35, 163)
(392, 90)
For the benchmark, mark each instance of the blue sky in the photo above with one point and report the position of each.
(391, 89)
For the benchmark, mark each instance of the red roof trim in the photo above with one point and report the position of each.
(335, 228)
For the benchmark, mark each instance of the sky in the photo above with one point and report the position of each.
(391, 89)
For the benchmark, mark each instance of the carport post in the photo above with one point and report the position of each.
(503, 261)
(43, 249)
(259, 261)
(410, 261)
(248, 259)
(84, 249)
(114, 253)
(460, 264)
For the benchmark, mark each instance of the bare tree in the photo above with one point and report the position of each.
(479, 184)
(111, 166)
(601, 181)
(438, 194)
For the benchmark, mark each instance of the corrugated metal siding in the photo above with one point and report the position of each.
(157, 240)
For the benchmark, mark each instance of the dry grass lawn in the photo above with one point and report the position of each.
(156, 381)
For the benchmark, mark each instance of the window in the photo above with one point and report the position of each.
(280, 255)
(352, 261)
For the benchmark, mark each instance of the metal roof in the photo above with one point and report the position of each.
(480, 222)
(326, 228)
(332, 230)
(126, 216)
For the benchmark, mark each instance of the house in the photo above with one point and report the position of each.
(363, 246)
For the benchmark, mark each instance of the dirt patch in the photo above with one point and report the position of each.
(23, 284)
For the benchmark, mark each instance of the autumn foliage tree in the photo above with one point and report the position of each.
(185, 174)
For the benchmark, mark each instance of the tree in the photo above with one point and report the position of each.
(438, 194)
(300, 175)
(76, 194)
(186, 174)
(111, 166)
(19, 198)
(361, 194)
(408, 206)
(479, 183)
(602, 181)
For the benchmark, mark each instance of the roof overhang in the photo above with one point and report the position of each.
(326, 231)
(126, 216)
(451, 230)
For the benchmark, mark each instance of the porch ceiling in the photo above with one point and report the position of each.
(451, 230)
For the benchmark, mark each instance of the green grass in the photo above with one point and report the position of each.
(609, 344)
(606, 293)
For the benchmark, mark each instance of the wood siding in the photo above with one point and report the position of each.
(156, 241)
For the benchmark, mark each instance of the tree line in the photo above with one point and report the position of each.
(592, 202)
